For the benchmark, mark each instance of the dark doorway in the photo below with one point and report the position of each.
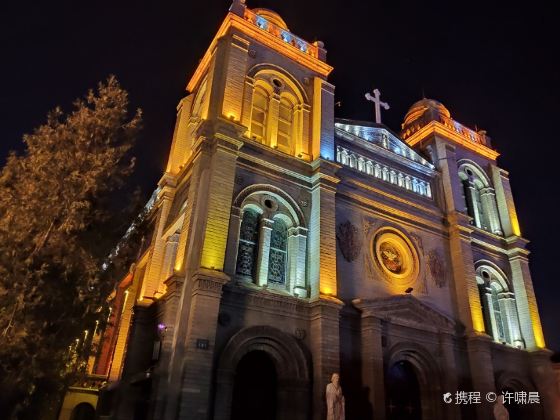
(255, 388)
(83, 411)
(403, 393)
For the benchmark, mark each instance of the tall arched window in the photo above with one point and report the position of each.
(272, 245)
(259, 114)
(279, 112)
(248, 244)
(285, 117)
(498, 307)
(278, 252)
(479, 198)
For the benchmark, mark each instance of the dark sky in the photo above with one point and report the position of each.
(493, 66)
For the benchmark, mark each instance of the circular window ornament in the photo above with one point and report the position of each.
(395, 256)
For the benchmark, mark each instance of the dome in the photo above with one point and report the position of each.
(272, 17)
(427, 108)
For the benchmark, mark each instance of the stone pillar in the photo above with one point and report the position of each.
(543, 377)
(168, 310)
(504, 201)
(372, 364)
(325, 349)
(247, 110)
(297, 256)
(272, 121)
(265, 231)
(529, 318)
(512, 319)
(481, 371)
(195, 391)
(233, 241)
(170, 253)
(140, 346)
(322, 230)
(152, 286)
(488, 199)
(450, 372)
(488, 312)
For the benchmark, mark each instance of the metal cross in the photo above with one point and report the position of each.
(378, 104)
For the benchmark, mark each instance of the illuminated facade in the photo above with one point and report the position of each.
(294, 245)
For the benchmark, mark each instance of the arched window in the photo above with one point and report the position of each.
(498, 307)
(278, 253)
(272, 245)
(285, 117)
(259, 114)
(479, 198)
(279, 112)
(248, 244)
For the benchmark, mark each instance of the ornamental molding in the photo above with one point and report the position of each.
(436, 268)
(349, 240)
(406, 310)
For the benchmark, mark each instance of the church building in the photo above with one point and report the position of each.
(287, 245)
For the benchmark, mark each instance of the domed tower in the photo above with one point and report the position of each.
(245, 204)
(484, 235)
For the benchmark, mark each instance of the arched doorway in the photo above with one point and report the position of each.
(255, 388)
(83, 411)
(263, 358)
(403, 392)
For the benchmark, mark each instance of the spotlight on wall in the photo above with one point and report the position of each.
(409, 290)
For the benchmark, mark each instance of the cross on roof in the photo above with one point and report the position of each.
(376, 99)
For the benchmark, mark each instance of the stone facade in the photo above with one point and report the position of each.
(329, 246)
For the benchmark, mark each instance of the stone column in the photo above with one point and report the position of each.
(450, 372)
(297, 256)
(505, 204)
(481, 371)
(233, 241)
(529, 318)
(512, 319)
(372, 364)
(272, 121)
(488, 312)
(198, 362)
(325, 349)
(246, 115)
(488, 200)
(168, 309)
(543, 377)
(170, 253)
(265, 231)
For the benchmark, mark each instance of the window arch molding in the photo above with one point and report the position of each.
(260, 70)
(276, 110)
(270, 240)
(480, 197)
(498, 305)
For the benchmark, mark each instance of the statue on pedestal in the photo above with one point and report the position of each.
(335, 399)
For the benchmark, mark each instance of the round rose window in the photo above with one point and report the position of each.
(395, 256)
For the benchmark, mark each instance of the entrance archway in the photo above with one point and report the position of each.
(278, 354)
(255, 388)
(403, 392)
(410, 366)
(83, 411)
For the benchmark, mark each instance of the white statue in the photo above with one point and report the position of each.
(500, 411)
(335, 399)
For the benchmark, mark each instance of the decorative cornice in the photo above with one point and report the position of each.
(408, 311)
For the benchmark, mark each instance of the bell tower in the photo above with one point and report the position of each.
(258, 99)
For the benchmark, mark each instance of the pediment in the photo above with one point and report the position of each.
(408, 311)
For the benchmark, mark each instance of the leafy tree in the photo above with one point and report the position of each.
(56, 230)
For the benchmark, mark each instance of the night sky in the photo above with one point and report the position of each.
(493, 67)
